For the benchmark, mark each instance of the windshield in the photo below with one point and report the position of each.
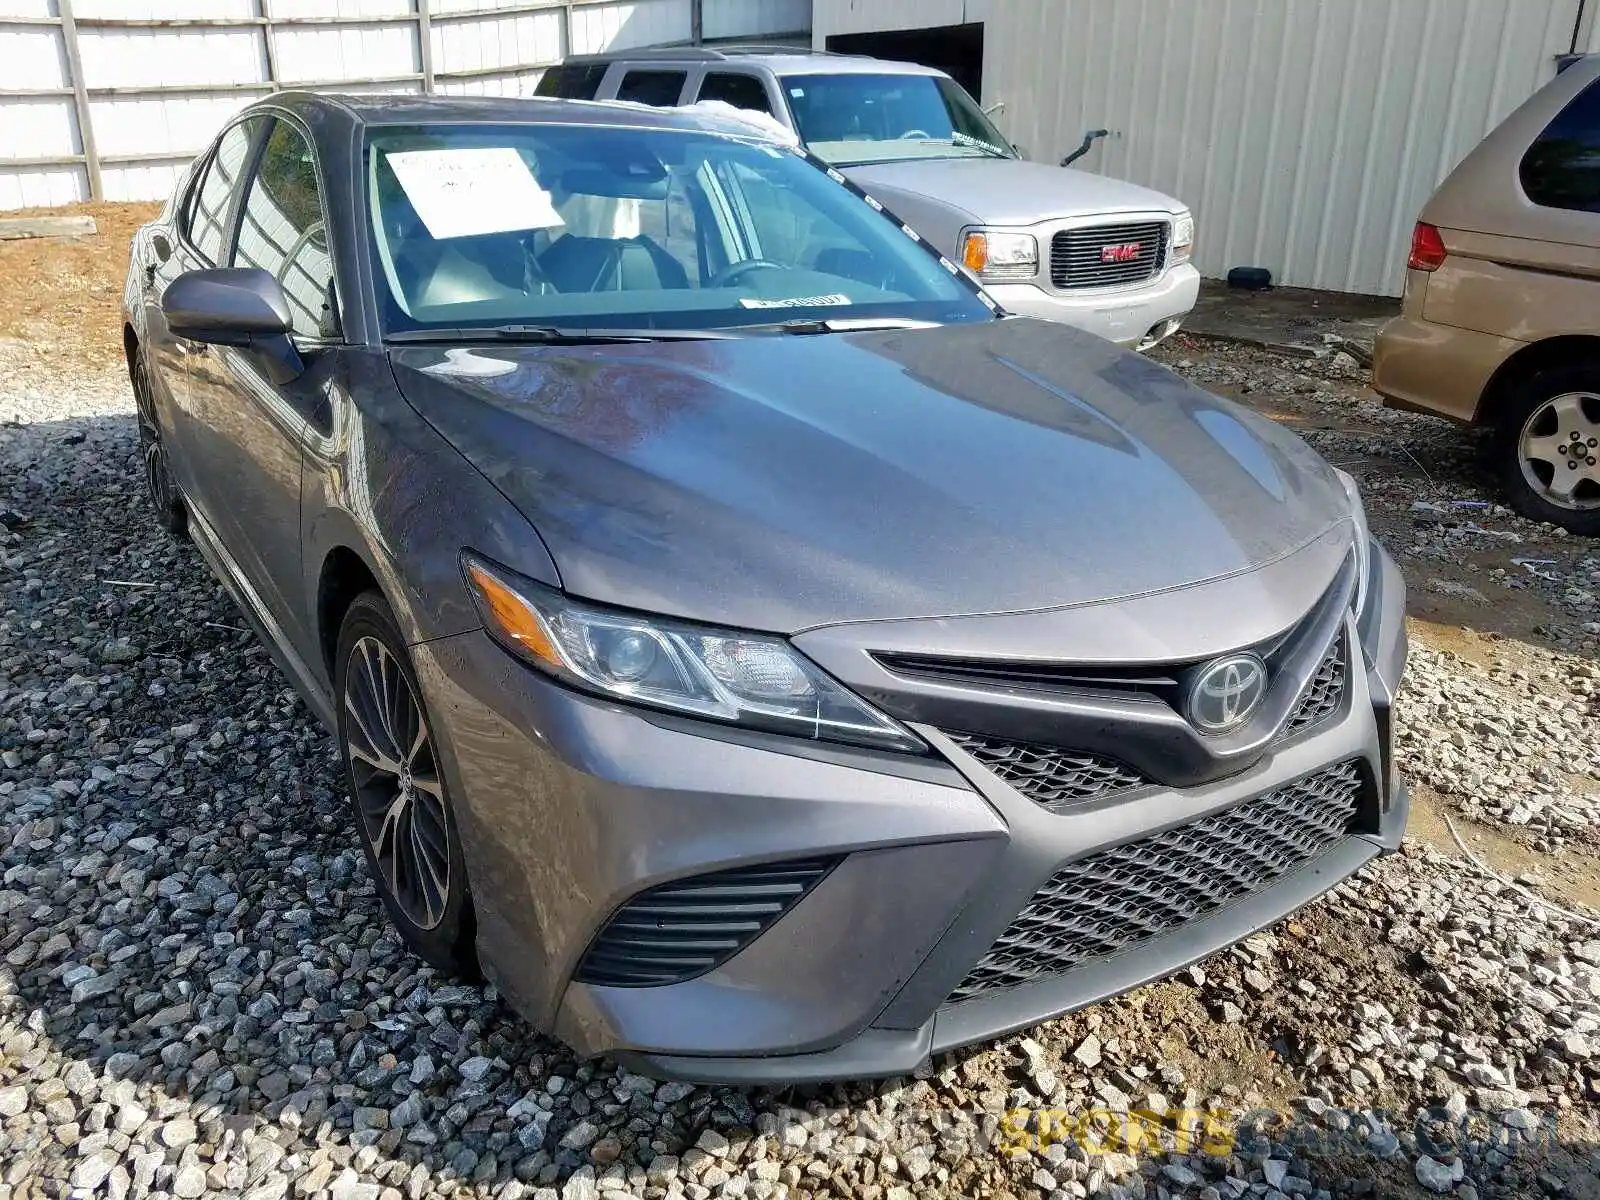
(584, 226)
(854, 119)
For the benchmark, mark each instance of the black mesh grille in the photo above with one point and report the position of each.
(1324, 693)
(1047, 775)
(685, 928)
(1114, 899)
(1108, 255)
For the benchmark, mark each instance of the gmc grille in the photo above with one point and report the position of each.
(1108, 255)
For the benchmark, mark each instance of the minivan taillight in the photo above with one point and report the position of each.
(1427, 248)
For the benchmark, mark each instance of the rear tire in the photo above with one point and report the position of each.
(398, 797)
(1547, 448)
(160, 491)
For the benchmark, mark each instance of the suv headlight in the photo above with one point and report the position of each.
(740, 678)
(1182, 239)
(1363, 544)
(990, 254)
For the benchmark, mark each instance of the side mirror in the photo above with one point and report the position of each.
(235, 306)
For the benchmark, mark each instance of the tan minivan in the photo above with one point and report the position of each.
(1501, 322)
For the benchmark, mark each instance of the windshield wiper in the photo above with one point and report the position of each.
(811, 325)
(552, 335)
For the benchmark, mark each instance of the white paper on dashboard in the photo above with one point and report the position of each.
(471, 190)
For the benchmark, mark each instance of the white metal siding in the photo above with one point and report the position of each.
(148, 86)
(625, 23)
(1306, 134)
(754, 18)
(872, 16)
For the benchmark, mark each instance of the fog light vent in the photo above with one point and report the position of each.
(674, 932)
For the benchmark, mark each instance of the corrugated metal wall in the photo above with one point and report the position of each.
(1306, 134)
(155, 95)
(871, 16)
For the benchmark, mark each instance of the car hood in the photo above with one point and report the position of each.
(1009, 191)
(781, 482)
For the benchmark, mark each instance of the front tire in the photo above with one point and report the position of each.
(1548, 448)
(398, 796)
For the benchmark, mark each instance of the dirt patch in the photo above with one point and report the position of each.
(1568, 880)
(61, 297)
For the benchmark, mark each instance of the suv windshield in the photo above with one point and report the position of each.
(854, 119)
(587, 226)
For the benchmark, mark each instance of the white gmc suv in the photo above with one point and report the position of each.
(1065, 245)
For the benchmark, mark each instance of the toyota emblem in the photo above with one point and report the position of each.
(1226, 693)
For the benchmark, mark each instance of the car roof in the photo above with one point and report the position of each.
(404, 109)
(780, 60)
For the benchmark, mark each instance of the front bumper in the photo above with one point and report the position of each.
(1134, 317)
(569, 806)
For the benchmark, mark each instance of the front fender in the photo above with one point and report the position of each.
(383, 485)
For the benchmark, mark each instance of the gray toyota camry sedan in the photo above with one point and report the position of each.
(760, 655)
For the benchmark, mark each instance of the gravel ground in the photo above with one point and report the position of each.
(200, 996)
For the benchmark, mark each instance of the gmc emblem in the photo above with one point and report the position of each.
(1127, 252)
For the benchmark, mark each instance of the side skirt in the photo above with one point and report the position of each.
(227, 571)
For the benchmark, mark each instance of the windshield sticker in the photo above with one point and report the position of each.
(966, 139)
(799, 93)
(473, 190)
(836, 298)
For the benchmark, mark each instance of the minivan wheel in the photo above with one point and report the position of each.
(1549, 449)
(397, 790)
(159, 488)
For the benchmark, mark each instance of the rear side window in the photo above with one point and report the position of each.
(741, 91)
(207, 224)
(574, 81)
(1562, 168)
(660, 88)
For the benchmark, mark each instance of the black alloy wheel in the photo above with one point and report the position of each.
(402, 807)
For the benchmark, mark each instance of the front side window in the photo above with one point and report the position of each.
(601, 227)
(282, 231)
(206, 227)
(741, 91)
(1562, 168)
(857, 118)
(661, 88)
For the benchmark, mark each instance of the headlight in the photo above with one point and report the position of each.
(722, 675)
(1358, 514)
(991, 255)
(1182, 239)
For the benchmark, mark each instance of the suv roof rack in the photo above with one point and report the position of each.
(720, 53)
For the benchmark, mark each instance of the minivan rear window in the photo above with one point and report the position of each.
(1562, 168)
